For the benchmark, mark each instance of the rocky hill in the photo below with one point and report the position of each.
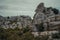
(45, 19)
(15, 21)
(50, 17)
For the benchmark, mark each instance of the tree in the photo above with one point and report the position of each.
(3, 34)
(8, 17)
(56, 11)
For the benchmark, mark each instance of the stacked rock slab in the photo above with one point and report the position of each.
(46, 16)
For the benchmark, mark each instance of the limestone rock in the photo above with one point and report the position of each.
(15, 21)
(46, 15)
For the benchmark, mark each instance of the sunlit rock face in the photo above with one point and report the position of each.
(45, 15)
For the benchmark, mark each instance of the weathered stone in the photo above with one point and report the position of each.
(45, 15)
(15, 21)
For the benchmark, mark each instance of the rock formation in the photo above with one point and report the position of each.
(15, 21)
(45, 19)
(46, 16)
(50, 17)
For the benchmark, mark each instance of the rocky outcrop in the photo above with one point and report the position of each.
(15, 21)
(48, 16)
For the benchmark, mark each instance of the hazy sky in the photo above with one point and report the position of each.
(24, 7)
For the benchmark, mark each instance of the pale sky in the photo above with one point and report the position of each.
(24, 7)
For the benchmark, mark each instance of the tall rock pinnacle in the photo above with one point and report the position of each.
(40, 7)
